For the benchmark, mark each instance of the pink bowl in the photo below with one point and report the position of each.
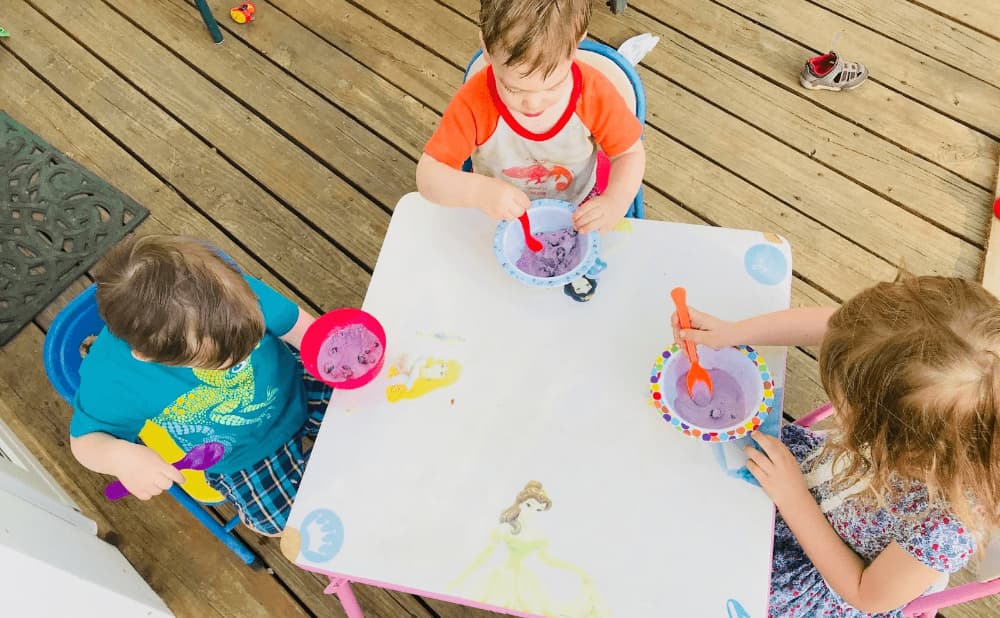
(326, 325)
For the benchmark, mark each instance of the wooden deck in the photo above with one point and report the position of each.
(289, 144)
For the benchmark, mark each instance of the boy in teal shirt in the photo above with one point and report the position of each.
(199, 349)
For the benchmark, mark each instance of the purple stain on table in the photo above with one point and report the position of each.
(725, 408)
(561, 252)
(349, 352)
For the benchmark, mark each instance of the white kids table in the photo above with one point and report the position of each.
(517, 384)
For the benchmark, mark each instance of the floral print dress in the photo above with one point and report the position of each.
(927, 532)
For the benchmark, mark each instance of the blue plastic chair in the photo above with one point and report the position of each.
(62, 356)
(621, 73)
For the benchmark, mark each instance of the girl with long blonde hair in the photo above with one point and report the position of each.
(907, 484)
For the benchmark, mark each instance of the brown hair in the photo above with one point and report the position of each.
(175, 301)
(535, 34)
(533, 489)
(913, 370)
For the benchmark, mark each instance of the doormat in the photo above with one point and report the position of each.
(56, 220)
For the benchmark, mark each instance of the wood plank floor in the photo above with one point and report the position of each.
(289, 145)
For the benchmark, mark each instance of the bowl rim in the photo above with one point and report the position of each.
(327, 324)
(723, 434)
(586, 263)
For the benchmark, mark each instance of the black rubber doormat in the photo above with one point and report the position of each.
(56, 220)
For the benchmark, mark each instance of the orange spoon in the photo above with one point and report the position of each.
(697, 373)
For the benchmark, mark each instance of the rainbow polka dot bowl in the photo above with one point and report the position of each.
(743, 363)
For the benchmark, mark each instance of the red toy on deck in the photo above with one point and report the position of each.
(244, 12)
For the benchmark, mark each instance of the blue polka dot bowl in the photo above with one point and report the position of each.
(545, 215)
(744, 364)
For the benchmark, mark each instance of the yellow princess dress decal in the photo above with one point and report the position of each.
(409, 380)
(517, 571)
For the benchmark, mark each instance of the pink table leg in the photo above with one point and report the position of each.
(342, 588)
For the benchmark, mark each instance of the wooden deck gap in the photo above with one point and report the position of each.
(237, 32)
(423, 602)
(708, 221)
(886, 196)
(968, 24)
(306, 26)
(942, 110)
(250, 177)
(772, 195)
(894, 39)
(221, 153)
(252, 110)
(799, 92)
(814, 284)
(152, 170)
(361, 7)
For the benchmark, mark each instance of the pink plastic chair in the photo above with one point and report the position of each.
(928, 605)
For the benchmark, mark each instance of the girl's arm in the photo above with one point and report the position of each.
(893, 579)
(799, 326)
(302, 324)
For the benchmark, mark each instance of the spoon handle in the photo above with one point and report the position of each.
(679, 296)
(115, 491)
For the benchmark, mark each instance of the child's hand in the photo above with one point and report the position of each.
(500, 200)
(777, 471)
(600, 213)
(707, 330)
(143, 472)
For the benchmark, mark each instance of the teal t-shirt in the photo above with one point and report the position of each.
(251, 408)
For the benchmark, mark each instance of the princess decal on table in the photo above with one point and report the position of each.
(516, 571)
(409, 379)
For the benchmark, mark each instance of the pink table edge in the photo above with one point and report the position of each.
(337, 580)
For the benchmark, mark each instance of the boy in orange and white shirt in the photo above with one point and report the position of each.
(536, 122)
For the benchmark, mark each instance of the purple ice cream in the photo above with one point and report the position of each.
(348, 352)
(561, 252)
(726, 407)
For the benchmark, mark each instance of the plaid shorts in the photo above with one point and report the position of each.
(263, 494)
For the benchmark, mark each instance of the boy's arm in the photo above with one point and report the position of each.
(302, 324)
(603, 212)
(799, 326)
(447, 186)
(138, 467)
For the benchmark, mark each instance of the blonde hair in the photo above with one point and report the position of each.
(533, 489)
(535, 34)
(176, 301)
(913, 370)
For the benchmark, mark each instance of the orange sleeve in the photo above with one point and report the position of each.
(469, 120)
(605, 113)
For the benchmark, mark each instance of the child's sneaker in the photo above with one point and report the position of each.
(830, 72)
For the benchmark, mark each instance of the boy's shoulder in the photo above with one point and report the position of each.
(110, 359)
(475, 92)
(594, 84)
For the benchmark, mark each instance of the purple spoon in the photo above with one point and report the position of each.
(201, 457)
